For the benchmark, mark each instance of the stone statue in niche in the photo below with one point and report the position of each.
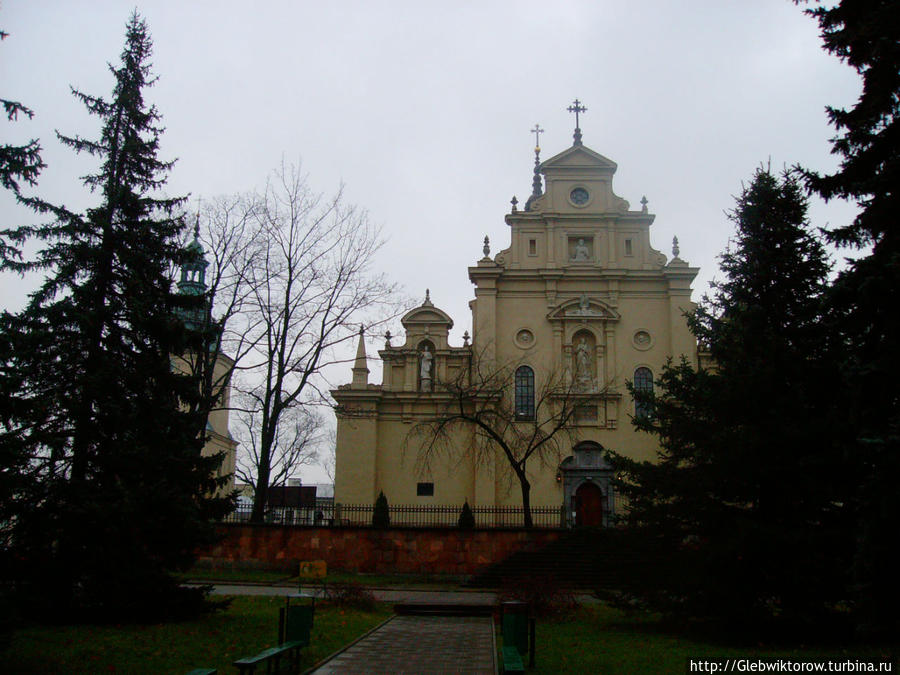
(583, 366)
(581, 251)
(426, 360)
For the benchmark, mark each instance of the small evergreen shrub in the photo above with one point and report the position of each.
(350, 594)
(466, 517)
(543, 593)
(381, 515)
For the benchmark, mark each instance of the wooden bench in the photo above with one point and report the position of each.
(203, 671)
(294, 628)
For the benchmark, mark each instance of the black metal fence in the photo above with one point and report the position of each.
(327, 513)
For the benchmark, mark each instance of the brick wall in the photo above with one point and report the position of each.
(363, 549)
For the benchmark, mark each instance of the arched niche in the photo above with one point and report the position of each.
(584, 360)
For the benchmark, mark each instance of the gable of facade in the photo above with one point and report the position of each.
(578, 295)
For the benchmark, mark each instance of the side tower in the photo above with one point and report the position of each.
(192, 282)
(374, 420)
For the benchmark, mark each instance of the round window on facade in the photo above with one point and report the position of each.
(642, 340)
(579, 196)
(524, 338)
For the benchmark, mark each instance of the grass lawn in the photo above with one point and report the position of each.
(214, 641)
(597, 639)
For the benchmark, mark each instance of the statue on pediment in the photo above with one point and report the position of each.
(584, 308)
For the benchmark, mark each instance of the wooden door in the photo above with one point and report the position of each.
(589, 505)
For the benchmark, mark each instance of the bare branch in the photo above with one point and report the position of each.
(481, 399)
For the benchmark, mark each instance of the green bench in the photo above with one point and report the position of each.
(518, 637)
(203, 671)
(294, 628)
(512, 660)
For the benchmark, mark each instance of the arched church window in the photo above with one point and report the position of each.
(643, 384)
(524, 393)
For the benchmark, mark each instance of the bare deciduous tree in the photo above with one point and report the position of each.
(296, 441)
(482, 401)
(310, 275)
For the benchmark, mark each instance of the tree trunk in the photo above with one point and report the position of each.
(526, 500)
(261, 494)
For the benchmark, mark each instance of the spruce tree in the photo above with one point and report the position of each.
(117, 495)
(865, 297)
(745, 498)
(18, 164)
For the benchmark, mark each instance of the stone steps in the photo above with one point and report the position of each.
(585, 559)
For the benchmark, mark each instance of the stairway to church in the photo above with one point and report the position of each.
(585, 558)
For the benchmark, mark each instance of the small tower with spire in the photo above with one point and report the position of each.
(536, 185)
(193, 281)
(360, 366)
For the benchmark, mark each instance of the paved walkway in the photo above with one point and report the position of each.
(392, 595)
(419, 645)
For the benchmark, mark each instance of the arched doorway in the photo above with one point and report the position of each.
(588, 494)
(589, 505)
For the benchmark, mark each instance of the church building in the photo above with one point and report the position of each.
(578, 297)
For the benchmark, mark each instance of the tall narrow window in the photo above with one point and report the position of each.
(524, 393)
(532, 247)
(643, 384)
(628, 250)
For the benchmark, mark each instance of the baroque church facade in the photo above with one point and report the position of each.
(579, 297)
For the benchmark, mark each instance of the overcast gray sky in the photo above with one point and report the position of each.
(423, 109)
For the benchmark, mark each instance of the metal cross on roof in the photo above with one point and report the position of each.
(577, 108)
(537, 131)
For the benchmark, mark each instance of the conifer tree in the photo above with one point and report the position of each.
(117, 494)
(865, 297)
(381, 513)
(18, 163)
(746, 492)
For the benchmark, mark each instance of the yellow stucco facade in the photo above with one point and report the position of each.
(579, 295)
(218, 436)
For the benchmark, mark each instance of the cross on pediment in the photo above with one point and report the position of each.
(577, 108)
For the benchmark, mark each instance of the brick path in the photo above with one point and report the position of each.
(419, 645)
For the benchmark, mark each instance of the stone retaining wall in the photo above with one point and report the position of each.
(363, 549)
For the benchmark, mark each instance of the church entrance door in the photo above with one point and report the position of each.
(589, 505)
